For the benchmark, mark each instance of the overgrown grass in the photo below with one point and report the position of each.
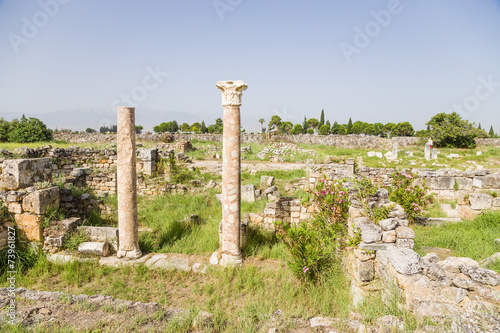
(472, 238)
(243, 297)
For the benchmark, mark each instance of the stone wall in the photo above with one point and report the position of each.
(5, 223)
(343, 141)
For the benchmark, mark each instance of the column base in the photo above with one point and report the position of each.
(230, 260)
(135, 254)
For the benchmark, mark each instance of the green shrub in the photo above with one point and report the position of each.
(29, 130)
(412, 198)
(314, 245)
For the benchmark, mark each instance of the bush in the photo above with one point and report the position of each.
(310, 131)
(314, 246)
(324, 130)
(28, 130)
(412, 198)
(451, 131)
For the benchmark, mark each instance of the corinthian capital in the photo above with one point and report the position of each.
(231, 92)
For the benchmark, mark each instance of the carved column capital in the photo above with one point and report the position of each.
(231, 92)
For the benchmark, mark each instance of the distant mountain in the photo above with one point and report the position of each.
(79, 120)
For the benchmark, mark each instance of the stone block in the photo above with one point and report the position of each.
(478, 182)
(366, 270)
(405, 233)
(147, 154)
(371, 233)
(31, 226)
(94, 248)
(248, 193)
(405, 242)
(464, 183)
(388, 224)
(21, 173)
(374, 246)
(39, 201)
(71, 222)
(480, 201)
(405, 261)
(101, 234)
(492, 181)
(443, 183)
(389, 236)
(15, 208)
(481, 275)
(270, 190)
(453, 264)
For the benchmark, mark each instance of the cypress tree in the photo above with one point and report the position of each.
(349, 126)
(322, 118)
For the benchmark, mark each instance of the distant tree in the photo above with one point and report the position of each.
(310, 131)
(171, 127)
(322, 118)
(262, 121)
(404, 129)
(274, 123)
(29, 130)
(185, 127)
(90, 130)
(388, 129)
(297, 129)
(195, 127)
(138, 129)
(211, 129)
(451, 131)
(4, 130)
(219, 126)
(335, 128)
(304, 125)
(370, 129)
(342, 130)
(203, 128)
(358, 127)
(285, 127)
(312, 123)
(328, 123)
(423, 134)
(491, 132)
(111, 129)
(479, 126)
(349, 126)
(324, 130)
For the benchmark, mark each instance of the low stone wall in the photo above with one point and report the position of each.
(343, 141)
(5, 223)
(488, 142)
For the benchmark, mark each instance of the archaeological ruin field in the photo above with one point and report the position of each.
(352, 236)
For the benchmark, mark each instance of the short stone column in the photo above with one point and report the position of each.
(128, 237)
(231, 172)
(427, 151)
(434, 153)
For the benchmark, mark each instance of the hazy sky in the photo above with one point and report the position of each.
(375, 61)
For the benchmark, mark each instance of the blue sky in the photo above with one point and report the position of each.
(412, 59)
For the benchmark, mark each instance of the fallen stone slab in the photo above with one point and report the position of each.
(481, 275)
(94, 248)
(57, 258)
(453, 264)
(490, 260)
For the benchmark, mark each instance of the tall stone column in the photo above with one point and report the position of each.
(126, 185)
(231, 172)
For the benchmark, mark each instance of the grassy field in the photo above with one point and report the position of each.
(472, 238)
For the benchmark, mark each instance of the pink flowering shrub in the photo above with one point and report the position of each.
(314, 245)
(412, 198)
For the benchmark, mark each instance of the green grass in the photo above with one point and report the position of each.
(472, 238)
(242, 299)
